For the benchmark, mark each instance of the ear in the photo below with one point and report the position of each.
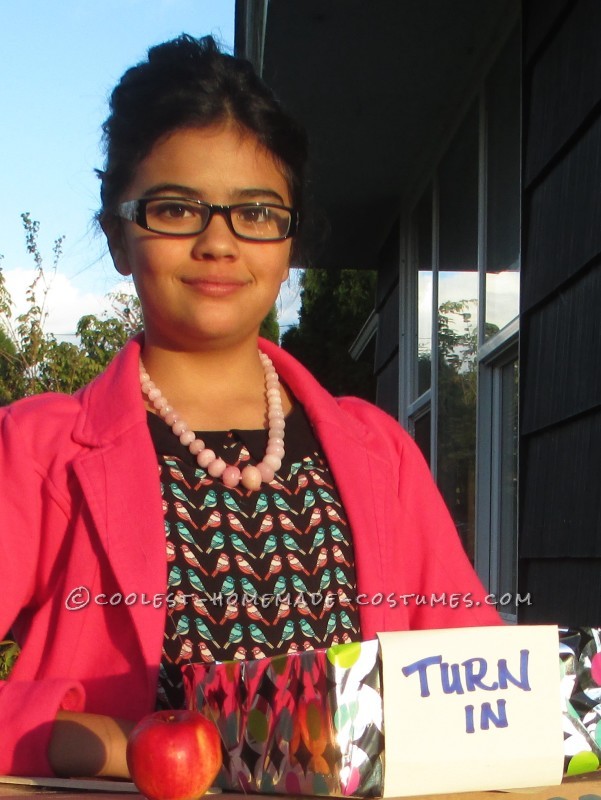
(113, 231)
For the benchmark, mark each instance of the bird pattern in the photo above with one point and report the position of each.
(252, 574)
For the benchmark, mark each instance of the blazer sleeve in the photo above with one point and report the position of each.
(28, 707)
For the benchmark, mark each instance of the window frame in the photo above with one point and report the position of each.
(493, 354)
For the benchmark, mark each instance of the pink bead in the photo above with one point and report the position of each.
(272, 461)
(231, 477)
(205, 457)
(196, 446)
(178, 427)
(187, 437)
(267, 474)
(251, 478)
(216, 468)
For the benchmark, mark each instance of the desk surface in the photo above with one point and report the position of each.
(581, 787)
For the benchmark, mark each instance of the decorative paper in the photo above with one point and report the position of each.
(309, 723)
(461, 710)
(580, 657)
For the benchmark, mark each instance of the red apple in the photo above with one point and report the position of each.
(174, 755)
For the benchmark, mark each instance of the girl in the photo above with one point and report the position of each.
(205, 498)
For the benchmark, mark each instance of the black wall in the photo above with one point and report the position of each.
(560, 358)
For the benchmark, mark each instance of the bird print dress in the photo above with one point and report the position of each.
(251, 574)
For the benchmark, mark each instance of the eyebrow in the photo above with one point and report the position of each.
(187, 191)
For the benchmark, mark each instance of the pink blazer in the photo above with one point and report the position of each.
(81, 507)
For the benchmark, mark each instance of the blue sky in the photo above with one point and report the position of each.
(58, 63)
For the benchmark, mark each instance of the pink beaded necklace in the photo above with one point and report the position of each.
(250, 477)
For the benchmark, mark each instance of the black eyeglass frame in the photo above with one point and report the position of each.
(135, 211)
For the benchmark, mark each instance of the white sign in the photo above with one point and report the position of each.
(470, 709)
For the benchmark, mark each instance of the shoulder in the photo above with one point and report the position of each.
(97, 413)
(53, 405)
(366, 422)
(375, 420)
(366, 412)
(40, 421)
(384, 436)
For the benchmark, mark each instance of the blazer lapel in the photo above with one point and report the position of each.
(124, 502)
(119, 477)
(367, 504)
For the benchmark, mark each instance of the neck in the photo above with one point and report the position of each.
(213, 389)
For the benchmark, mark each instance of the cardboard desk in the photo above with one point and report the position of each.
(581, 787)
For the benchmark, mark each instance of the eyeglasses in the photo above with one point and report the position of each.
(181, 216)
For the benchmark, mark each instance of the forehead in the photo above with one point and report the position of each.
(221, 160)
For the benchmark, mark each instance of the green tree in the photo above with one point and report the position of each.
(9, 651)
(22, 362)
(7, 355)
(270, 328)
(334, 306)
(32, 361)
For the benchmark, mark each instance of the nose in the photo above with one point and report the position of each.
(217, 240)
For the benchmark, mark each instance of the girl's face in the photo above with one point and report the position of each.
(210, 289)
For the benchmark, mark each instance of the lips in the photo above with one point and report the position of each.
(215, 286)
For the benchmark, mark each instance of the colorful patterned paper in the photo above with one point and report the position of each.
(580, 661)
(310, 723)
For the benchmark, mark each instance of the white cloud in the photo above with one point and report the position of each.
(502, 297)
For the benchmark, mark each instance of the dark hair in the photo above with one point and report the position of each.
(189, 82)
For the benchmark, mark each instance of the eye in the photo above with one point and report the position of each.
(173, 209)
(255, 215)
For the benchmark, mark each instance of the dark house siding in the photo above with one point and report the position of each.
(560, 358)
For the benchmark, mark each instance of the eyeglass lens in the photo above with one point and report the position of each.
(253, 221)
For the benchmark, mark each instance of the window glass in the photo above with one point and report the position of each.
(457, 396)
(423, 234)
(503, 189)
(458, 327)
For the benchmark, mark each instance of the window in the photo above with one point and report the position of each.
(464, 257)
(496, 559)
